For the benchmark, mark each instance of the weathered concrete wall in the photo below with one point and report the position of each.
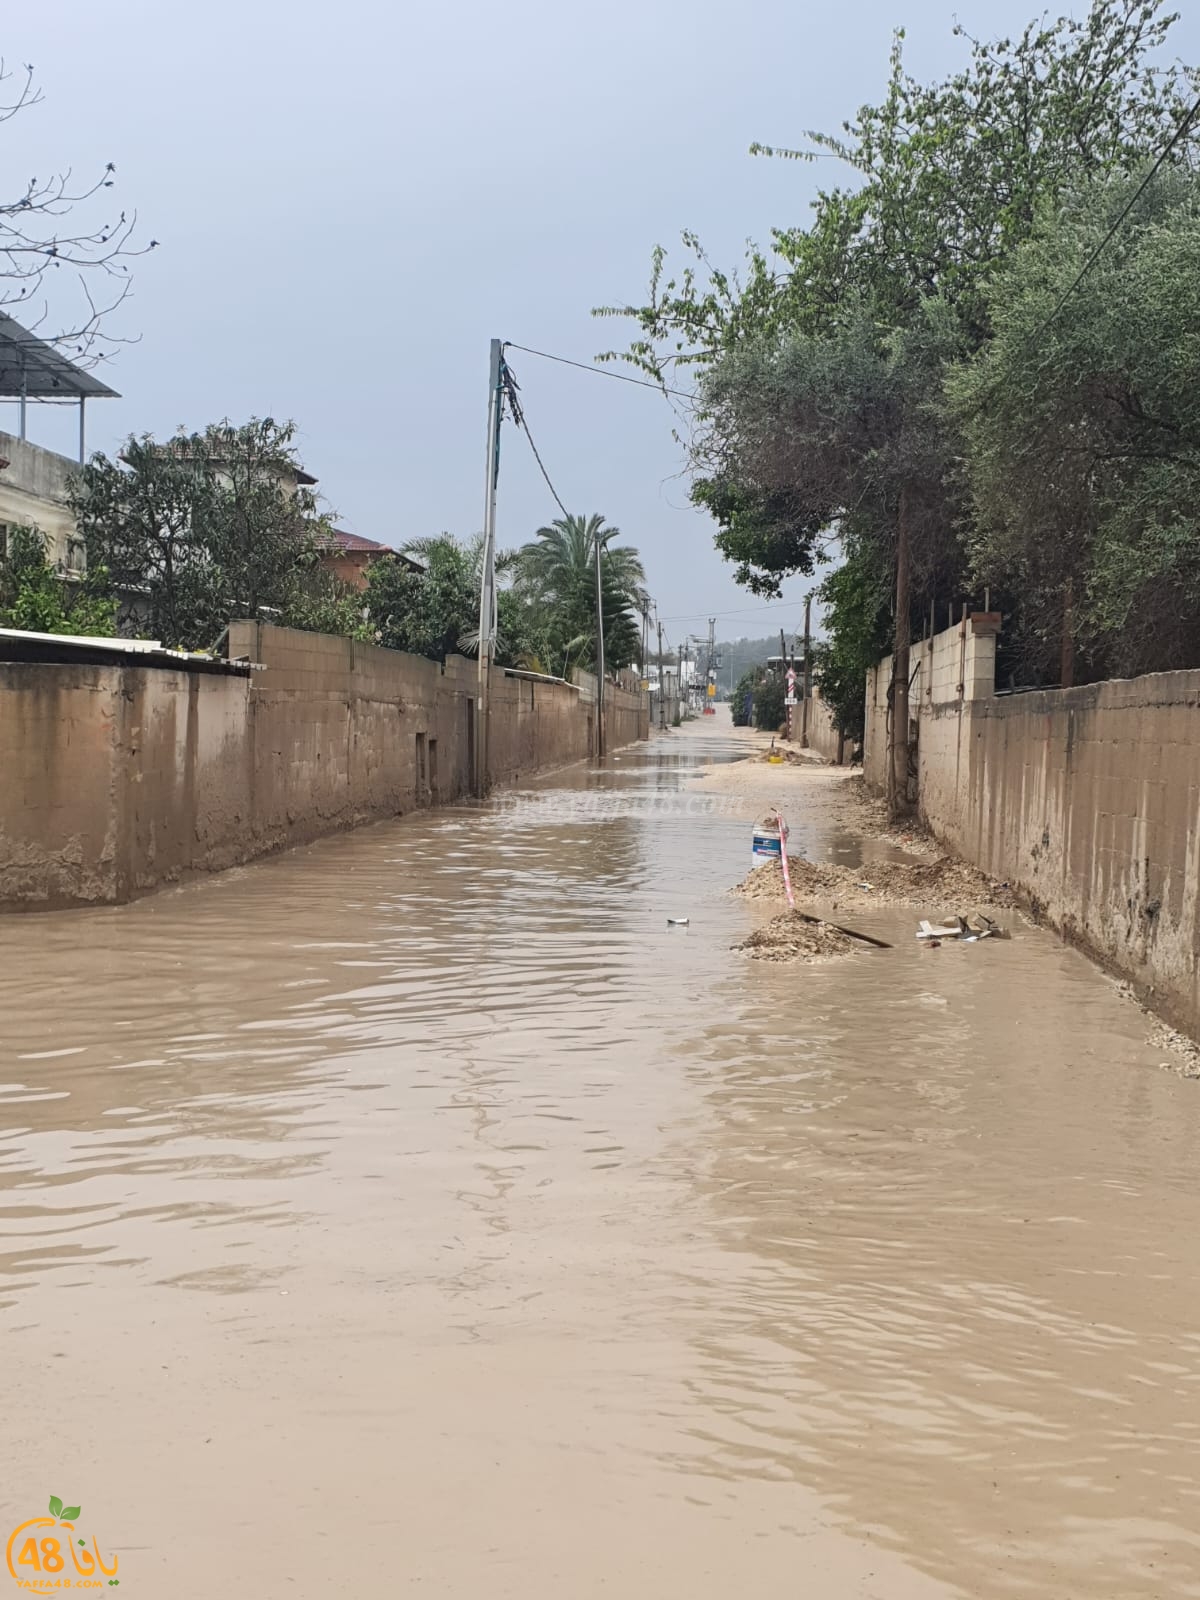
(956, 665)
(118, 779)
(822, 735)
(1086, 800)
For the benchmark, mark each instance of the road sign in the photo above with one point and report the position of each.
(789, 700)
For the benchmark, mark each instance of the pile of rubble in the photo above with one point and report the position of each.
(792, 937)
(929, 885)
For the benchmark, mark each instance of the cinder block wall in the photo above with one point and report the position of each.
(1087, 800)
(118, 779)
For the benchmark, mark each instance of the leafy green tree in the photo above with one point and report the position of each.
(948, 178)
(947, 181)
(33, 596)
(1081, 428)
(742, 699)
(770, 707)
(845, 423)
(429, 610)
(433, 609)
(555, 575)
(857, 602)
(322, 603)
(203, 527)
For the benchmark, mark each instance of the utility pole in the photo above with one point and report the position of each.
(783, 675)
(807, 674)
(645, 629)
(662, 701)
(897, 788)
(710, 681)
(487, 587)
(599, 649)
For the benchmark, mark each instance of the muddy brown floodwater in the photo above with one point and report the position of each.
(417, 1211)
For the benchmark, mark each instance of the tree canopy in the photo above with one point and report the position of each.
(35, 597)
(840, 374)
(1081, 434)
(555, 577)
(201, 528)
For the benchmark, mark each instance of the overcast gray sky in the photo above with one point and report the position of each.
(354, 198)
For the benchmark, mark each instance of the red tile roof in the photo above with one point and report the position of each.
(355, 541)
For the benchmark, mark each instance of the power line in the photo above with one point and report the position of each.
(601, 372)
(1179, 133)
(689, 616)
(511, 388)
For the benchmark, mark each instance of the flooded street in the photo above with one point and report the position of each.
(418, 1211)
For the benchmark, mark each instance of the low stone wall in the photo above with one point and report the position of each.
(1086, 800)
(120, 778)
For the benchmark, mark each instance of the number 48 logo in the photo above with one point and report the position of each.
(37, 1561)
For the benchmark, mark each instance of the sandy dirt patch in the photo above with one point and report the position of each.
(943, 885)
(791, 937)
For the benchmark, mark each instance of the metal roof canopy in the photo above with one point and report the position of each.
(31, 369)
(17, 645)
(35, 370)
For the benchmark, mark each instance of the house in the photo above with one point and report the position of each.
(34, 482)
(348, 556)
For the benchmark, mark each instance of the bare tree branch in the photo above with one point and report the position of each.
(34, 248)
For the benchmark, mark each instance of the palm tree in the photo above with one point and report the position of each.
(556, 575)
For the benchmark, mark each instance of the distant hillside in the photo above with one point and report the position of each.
(739, 655)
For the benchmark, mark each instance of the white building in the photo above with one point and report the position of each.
(34, 481)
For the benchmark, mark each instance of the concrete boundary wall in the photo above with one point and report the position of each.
(120, 778)
(823, 737)
(1087, 801)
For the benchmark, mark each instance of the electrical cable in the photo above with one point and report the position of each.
(511, 390)
(1179, 133)
(601, 372)
(688, 616)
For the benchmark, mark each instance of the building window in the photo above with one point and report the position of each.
(3, 541)
(76, 555)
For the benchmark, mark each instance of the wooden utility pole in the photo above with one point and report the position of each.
(807, 674)
(898, 802)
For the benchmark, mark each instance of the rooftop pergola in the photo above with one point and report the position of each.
(33, 371)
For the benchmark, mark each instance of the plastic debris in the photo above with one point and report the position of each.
(962, 929)
(678, 922)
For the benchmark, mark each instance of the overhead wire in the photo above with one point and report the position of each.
(511, 390)
(1179, 133)
(602, 372)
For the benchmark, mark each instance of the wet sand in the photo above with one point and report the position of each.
(418, 1212)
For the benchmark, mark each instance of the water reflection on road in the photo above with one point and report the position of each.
(418, 1209)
